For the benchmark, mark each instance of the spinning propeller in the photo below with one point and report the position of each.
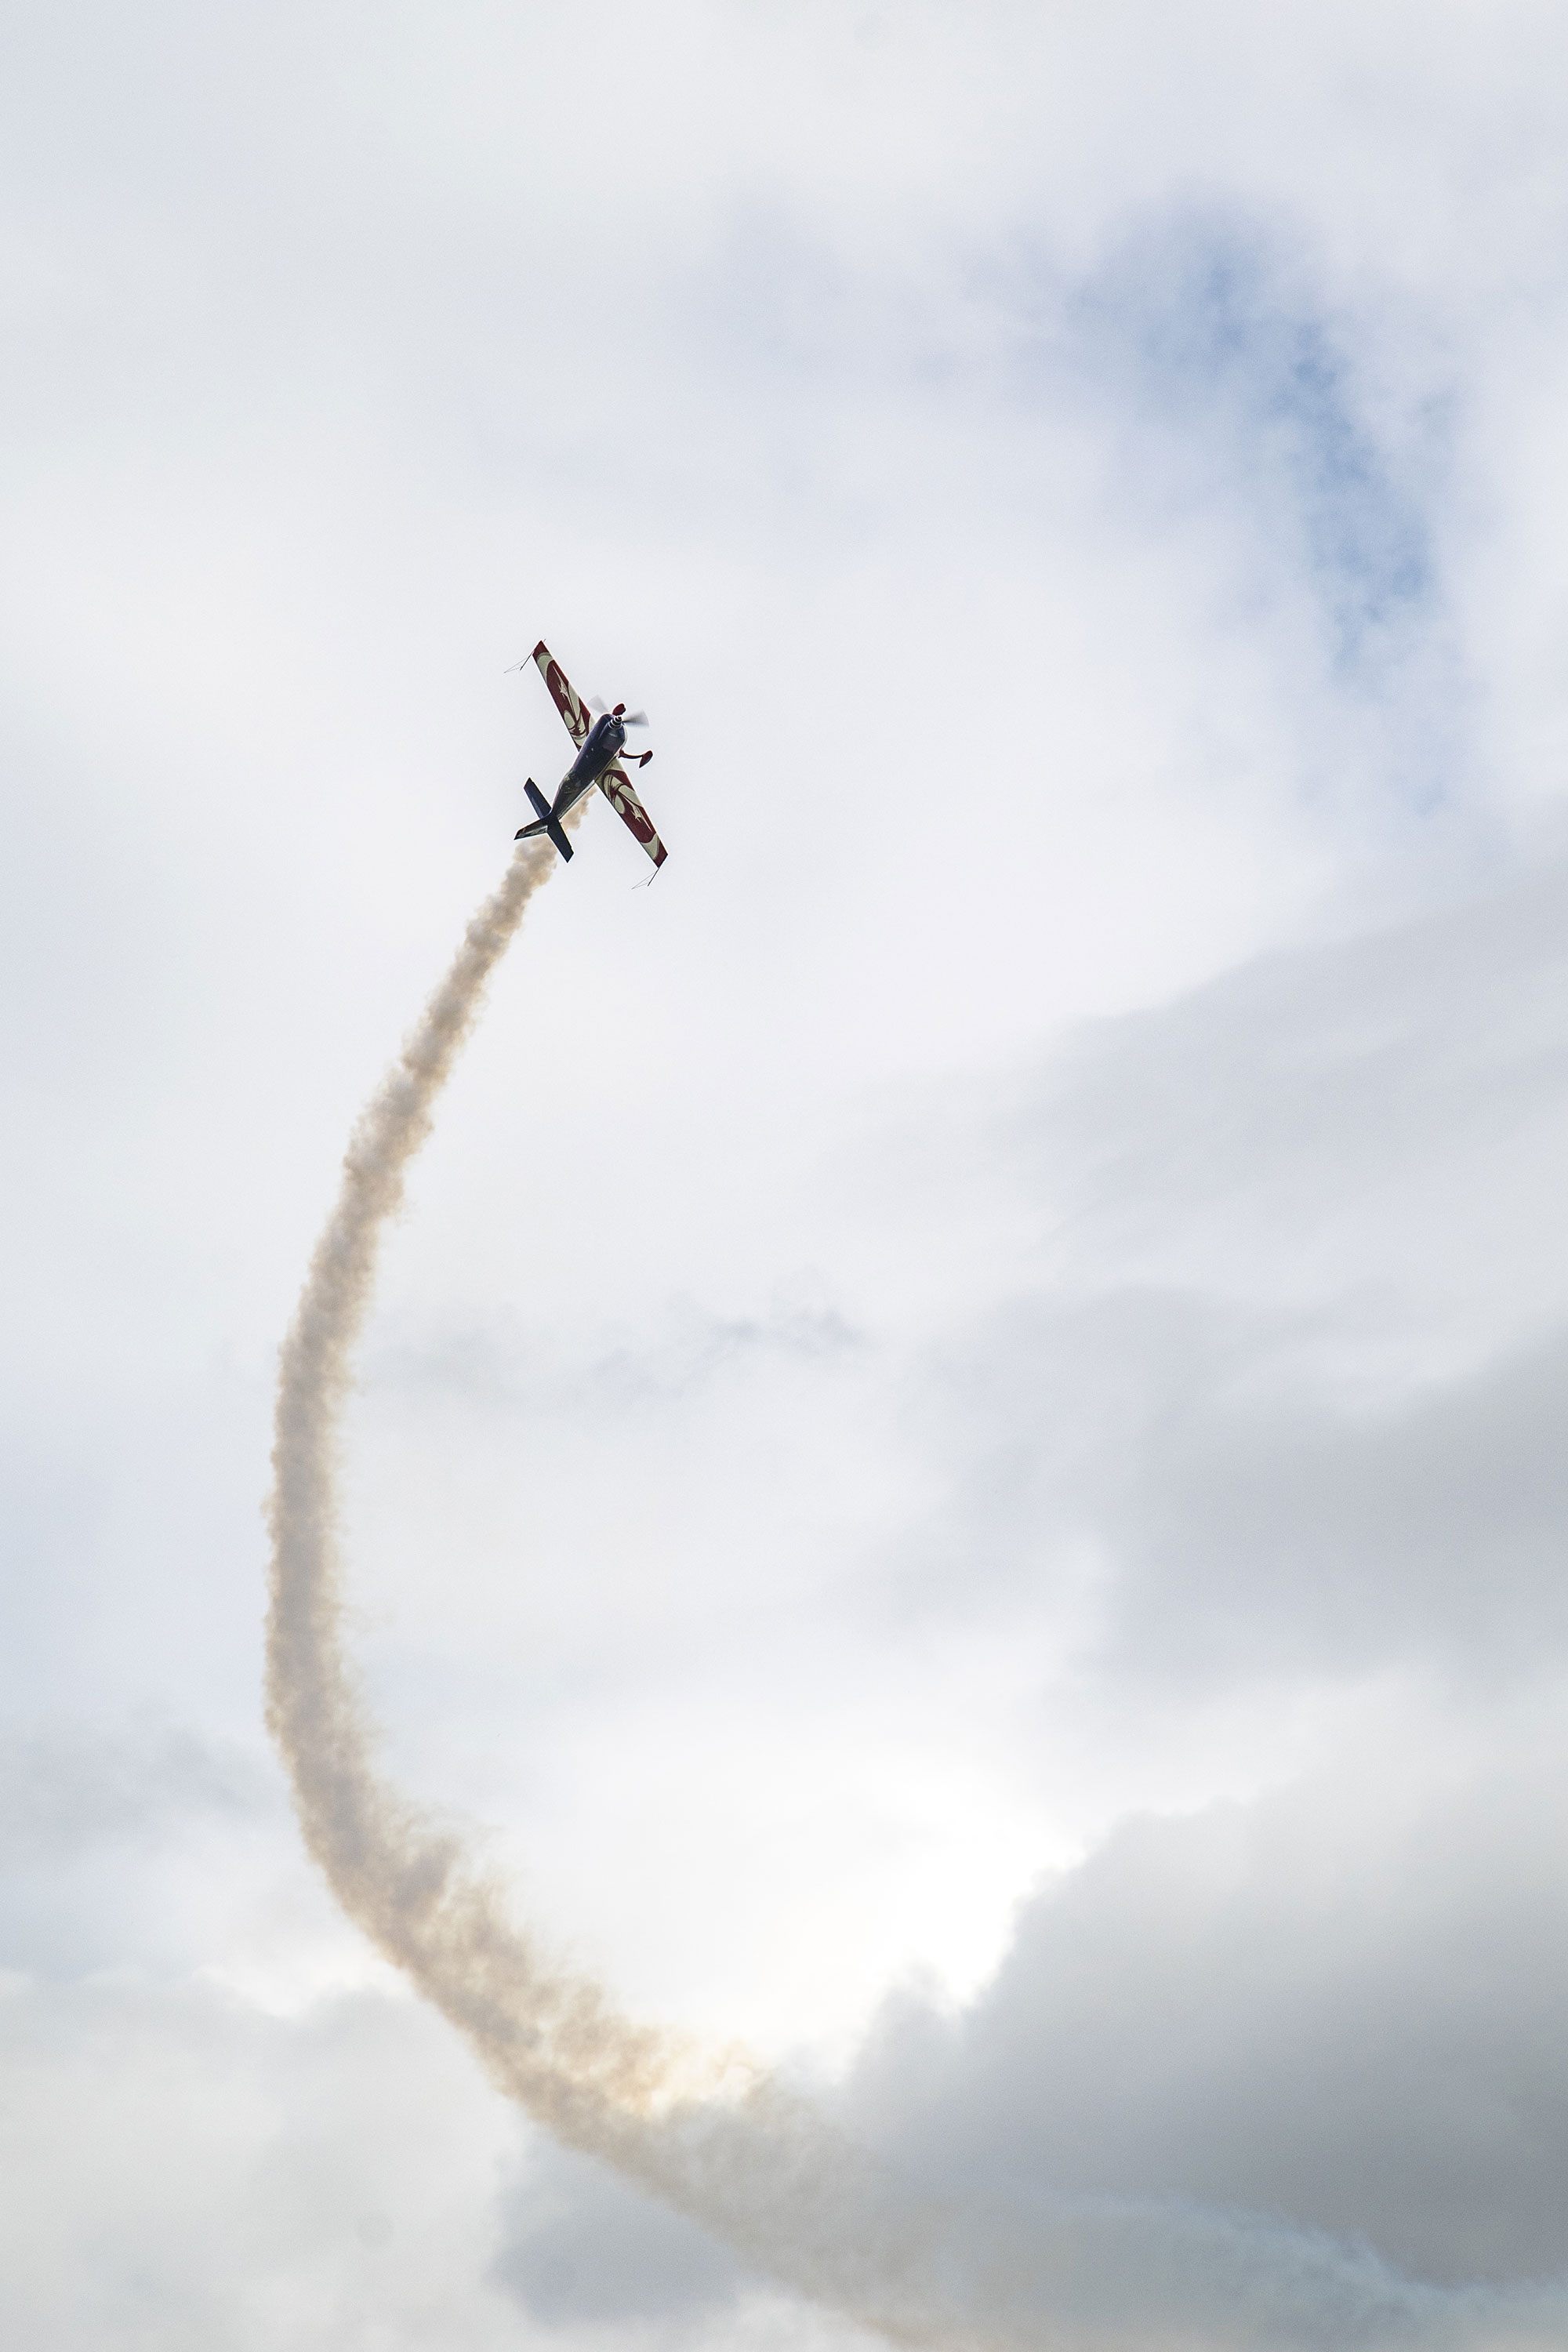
(627, 718)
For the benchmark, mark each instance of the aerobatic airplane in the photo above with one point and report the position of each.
(600, 742)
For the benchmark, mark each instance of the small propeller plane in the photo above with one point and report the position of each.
(600, 742)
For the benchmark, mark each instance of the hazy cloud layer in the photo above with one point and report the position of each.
(997, 1339)
(578, 2245)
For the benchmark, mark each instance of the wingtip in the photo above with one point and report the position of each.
(540, 649)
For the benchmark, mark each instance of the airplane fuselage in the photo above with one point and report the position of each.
(602, 746)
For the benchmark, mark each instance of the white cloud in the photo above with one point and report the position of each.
(913, 1346)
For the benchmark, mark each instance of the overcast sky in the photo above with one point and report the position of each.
(960, 1457)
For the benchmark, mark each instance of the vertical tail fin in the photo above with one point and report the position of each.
(547, 822)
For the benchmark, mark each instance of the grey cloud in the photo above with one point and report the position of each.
(1306, 1536)
(1241, 1524)
(701, 1347)
(180, 2169)
(99, 1824)
(1338, 1085)
(64, 1789)
(1315, 2036)
(503, 1363)
(1334, 2009)
(1231, 1402)
(579, 2245)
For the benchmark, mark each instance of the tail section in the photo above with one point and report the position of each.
(545, 823)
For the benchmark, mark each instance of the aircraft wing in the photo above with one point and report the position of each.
(576, 714)
(617, 787)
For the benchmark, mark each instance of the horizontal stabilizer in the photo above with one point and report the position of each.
(545, 823)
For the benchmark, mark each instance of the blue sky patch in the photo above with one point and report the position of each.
(1213, 331)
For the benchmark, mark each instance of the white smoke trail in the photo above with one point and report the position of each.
(751, 2163)
(754, 2165)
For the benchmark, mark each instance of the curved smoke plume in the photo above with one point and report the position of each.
(741, 2154)
(749, 2162)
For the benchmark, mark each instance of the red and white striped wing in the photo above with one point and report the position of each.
(576, 714)
(617, 787)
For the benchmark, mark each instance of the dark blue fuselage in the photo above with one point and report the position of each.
(602, 745)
